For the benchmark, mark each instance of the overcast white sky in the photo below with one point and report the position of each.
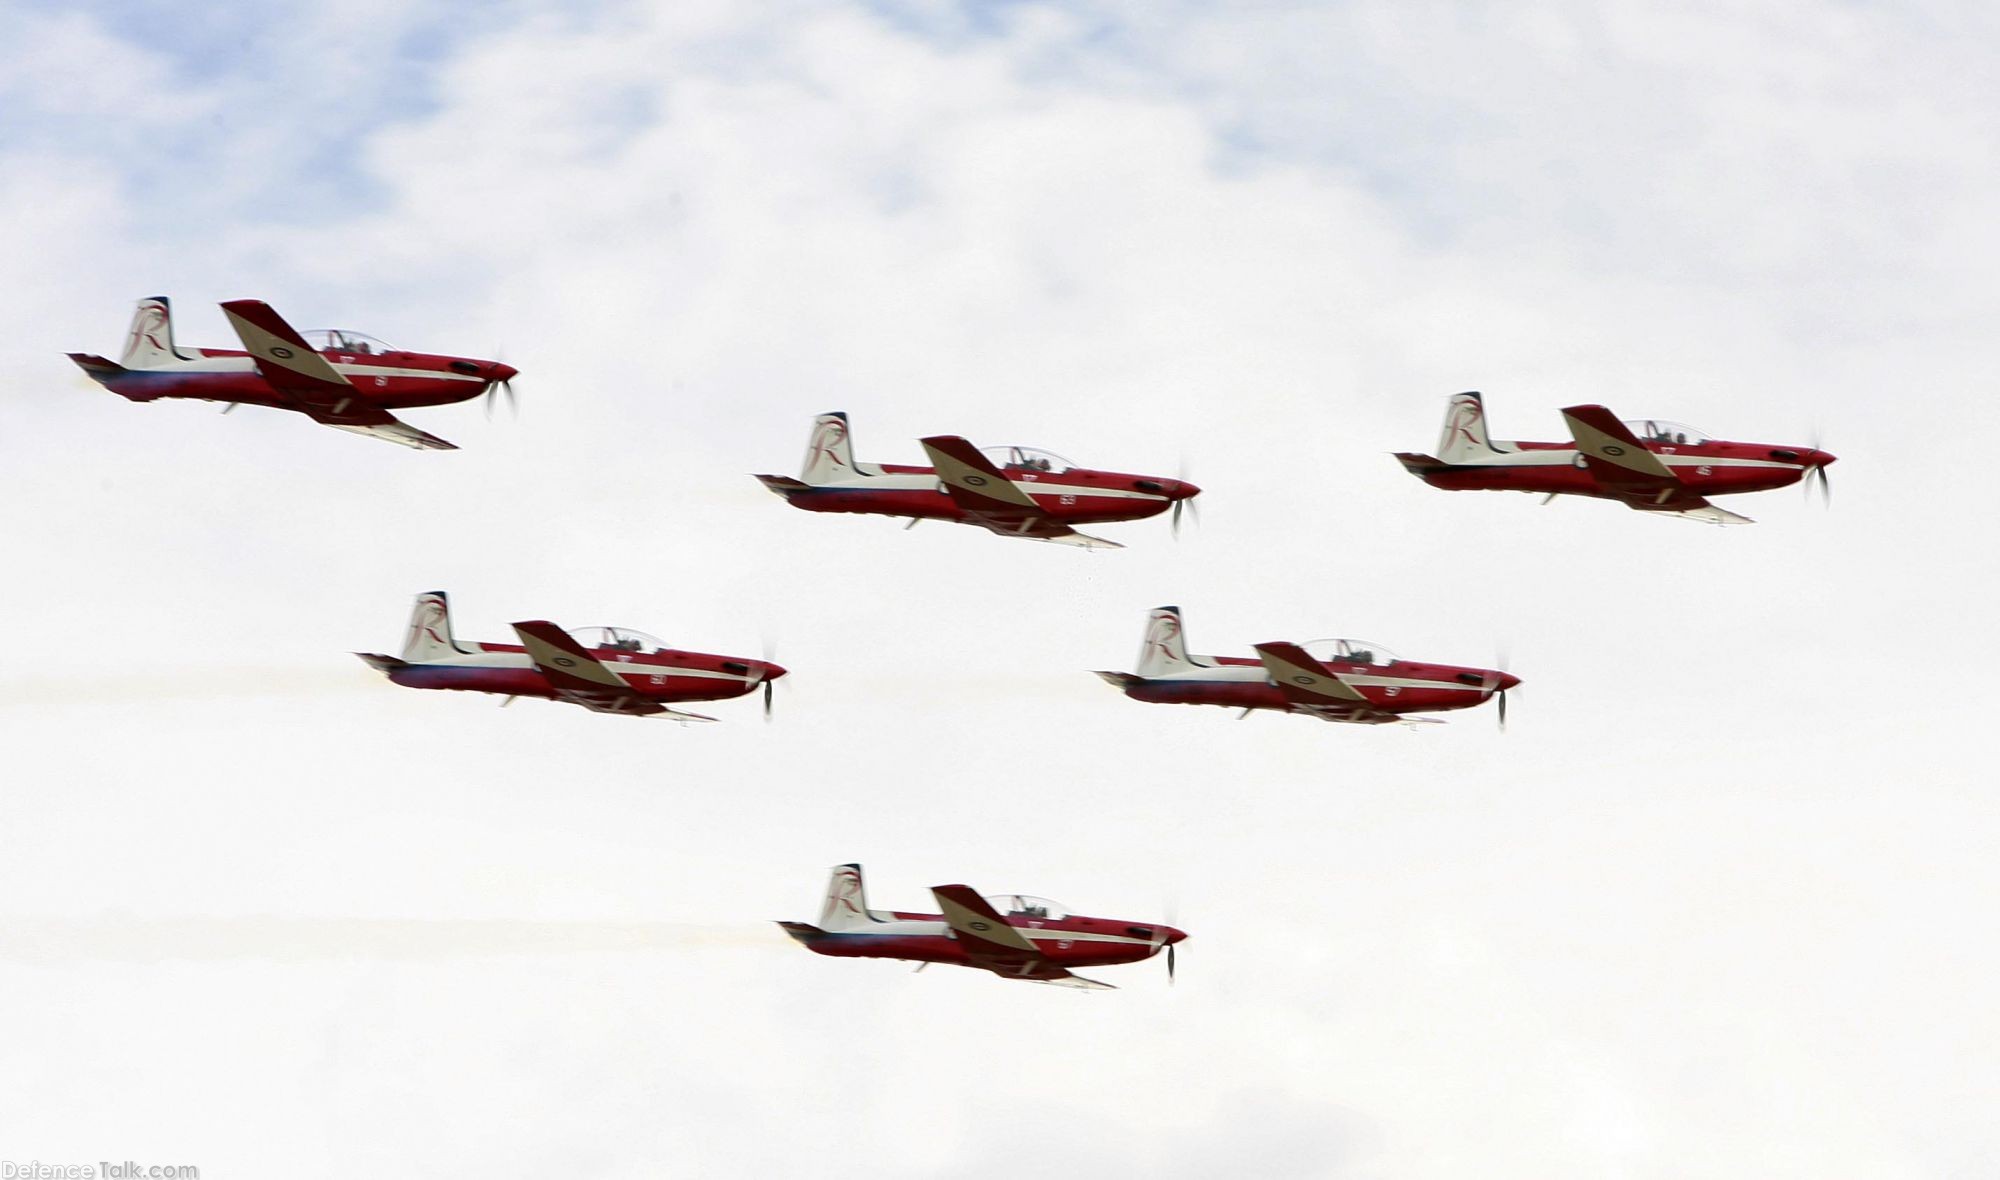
(1718, 905)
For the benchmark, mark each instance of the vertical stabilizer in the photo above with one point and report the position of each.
(1464, 439)
(430, 636)
(1164, 648)
(846, 905)
(830, 452)
(150, 342)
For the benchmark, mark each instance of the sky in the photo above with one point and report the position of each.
(1709, 908)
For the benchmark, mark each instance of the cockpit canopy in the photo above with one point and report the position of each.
(1021, 905)
(342, 340)
(1353, 651)
(1031, 458)
(618, 639)
(1661, 431)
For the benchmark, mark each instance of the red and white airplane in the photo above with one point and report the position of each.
(1349, 680)
(1649, 465)
(604, 669)
(1016, 492)
(1013, 935)
(340, 378)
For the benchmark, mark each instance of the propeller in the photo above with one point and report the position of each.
(1493, 683)
(493, 393)
(770, 650)
(505, 385)
(1193, 509)
(1818, 472)
(1160, 936)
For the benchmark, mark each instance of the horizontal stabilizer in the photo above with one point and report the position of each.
(1119, 679)
(381, 663)
(96, 366)
(784, 485)
(1420, 464)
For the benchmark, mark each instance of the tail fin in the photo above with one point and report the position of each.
(846, 905)
(1164, 648)
(1464, 435)
(150, 342)
(830, 452)
(430, 636)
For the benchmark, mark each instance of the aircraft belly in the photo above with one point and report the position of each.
(911, 502)
(524, 682)
(1501, 477)
(1243, 693)
(929, 948)
(144, 385)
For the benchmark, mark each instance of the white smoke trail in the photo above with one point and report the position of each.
(130, 939)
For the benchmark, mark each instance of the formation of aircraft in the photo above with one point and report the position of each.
(1012, 935)
(352, 382)
(1649, 465)
(1350, 681)
(604, 669)
(1011, 491)
(335, 377)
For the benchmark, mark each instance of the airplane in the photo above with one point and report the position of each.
(604, 669)
(336, 377)
(1350, 681)
(1648, 464)
(1012, 935)
(1018, 492)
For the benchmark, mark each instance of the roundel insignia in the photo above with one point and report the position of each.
(979, 925)
(1612, 449)
(563, 662)
(977, 481)
(1302, 678)
(279, 350)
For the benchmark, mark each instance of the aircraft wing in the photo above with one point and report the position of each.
(995, 502)
(582, 679)
(1622, 465)
(381, 424)
(282, 355)
(294, 368)
(991, 943)
(1311, 687)
(972, 480)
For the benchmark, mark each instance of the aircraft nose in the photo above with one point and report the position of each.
(1507, 680)
(1174, 935)
(1820, 458)
(772, 671)
(1183, 490)
(501, 371)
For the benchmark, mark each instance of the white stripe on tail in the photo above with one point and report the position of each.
(830, 452)
(1464, 436)
(150, 342)
(430, 636)
(846, 905)
(1164, 649)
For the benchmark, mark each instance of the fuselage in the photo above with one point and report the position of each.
(1398, 686)
(1708, 468)
(666, 676)
(392, 380)
(1068, 942)
(1074, 496)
